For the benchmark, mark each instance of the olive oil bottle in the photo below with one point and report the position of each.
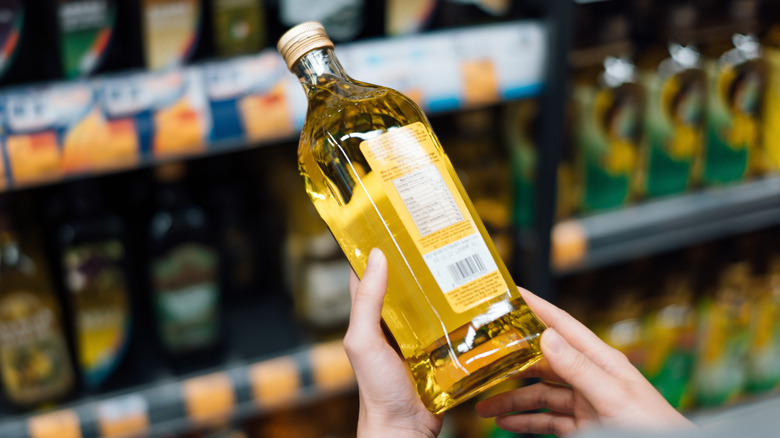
(93, 257)
(35, 364)
(378, 176)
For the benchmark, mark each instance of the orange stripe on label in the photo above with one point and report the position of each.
(58, 424)
(275, 382)
(331, 369)
(209, 397)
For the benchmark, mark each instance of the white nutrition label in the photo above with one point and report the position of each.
(428, 200)
(419, 184)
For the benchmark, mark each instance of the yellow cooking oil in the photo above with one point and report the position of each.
(379, 178)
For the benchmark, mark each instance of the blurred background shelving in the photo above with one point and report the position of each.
(623, 156)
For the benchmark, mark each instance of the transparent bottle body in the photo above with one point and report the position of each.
(452, 354)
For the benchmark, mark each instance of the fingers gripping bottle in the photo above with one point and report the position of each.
(378, 176)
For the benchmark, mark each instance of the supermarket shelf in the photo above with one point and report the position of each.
(182, 404)
(664, 224)
(57, 131)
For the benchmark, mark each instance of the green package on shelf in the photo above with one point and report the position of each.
(85, 29)
(247, 98)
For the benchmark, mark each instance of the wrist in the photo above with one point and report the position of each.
(377, 426)
(391, 431)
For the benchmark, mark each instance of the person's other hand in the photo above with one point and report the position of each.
(389, 404)
(585, 383)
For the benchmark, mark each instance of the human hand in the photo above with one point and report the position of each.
(586, 383)
(389, 404)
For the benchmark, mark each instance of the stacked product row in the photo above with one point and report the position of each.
(106, 283)
(706, 332)
(54, 39)
(661, 110)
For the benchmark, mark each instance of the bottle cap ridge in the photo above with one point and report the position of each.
(302, 39)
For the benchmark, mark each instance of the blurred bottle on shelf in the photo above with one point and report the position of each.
(621, 324)
(763, 364)
(184, 272)
(344, 20)
(737, 78)
(316, 270)
(12, 24)
(86, 28)
(35, 363)
(172, 31)
(404, 17)
(610, 106)
(669, 328)
(28, 34)
(482, 165)
(93, 258)
(520, 118)
(239, 26)
(723, 337)
(225, 199)
(671, 72)
(97, 36)
(771, 123)
(569, 177)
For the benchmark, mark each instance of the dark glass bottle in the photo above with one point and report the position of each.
(34, 357)
(93, 257)
(184, 272)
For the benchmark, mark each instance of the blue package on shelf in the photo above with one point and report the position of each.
(247, 99)
(165, 111)
(53, 131)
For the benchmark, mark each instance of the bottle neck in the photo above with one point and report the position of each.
(318, 68)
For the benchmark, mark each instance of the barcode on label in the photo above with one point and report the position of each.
(464, 270)
(460, 262)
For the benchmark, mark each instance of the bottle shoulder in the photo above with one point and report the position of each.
(355, 106)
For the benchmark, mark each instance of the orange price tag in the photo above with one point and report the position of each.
(275, 382)
(58, 424)
(209, 397)
(480, 82)
(569, 244)
(125, 416)
(331, 369)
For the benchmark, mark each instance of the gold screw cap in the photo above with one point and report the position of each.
(302, 39)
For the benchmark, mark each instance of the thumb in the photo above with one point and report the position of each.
(595, 384)
(368, 298)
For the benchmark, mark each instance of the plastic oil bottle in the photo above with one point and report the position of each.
(737, 77)
(609, 111)
(377, 175)
(676, 87)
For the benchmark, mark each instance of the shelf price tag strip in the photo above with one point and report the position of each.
(275, 382)
(58, 424)
(71, 128)
(209, 398)
(123, 416)
(330, 367)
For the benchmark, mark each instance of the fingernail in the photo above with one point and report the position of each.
(552, 340)
(373, 259)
